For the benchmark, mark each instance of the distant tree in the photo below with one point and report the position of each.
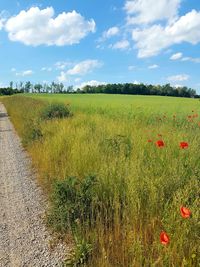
(11, 84)
(38, 87)
(27, 87)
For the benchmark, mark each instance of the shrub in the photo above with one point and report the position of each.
(32, 131)
(71, 202)
(55, 110)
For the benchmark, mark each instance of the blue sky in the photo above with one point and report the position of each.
(109, 41)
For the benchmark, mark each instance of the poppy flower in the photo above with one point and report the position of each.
(149, 141)
(183, 145)
(164, 238)
(160, 143)
(189, 117)
(185, 212)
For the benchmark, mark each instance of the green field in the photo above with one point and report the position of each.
(125, 104)
(125, 189)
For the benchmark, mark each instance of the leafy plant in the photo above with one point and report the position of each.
(72, 202)
(55, 110)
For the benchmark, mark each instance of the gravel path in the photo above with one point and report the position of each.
(24, 241)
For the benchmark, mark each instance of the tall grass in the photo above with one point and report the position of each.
(137, 188)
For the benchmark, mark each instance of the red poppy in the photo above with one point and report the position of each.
(160, 143)
(164, 238)
(149, 141)
(185, 212)
(189, 117)
(183, 145)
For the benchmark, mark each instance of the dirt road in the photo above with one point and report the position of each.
(24, 241)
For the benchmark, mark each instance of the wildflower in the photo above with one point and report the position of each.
(159, 135)
(164, 238)
(149, 141)
(160, 143)
(185, 212)
(183, 145)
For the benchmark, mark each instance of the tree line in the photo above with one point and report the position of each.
(120, 88)
(139, 89)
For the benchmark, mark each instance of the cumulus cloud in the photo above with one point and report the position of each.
(154, 66)
(176, 56)
(24, 73)
(178, 78)
(84, 67)
(153, 39)
(147, 11)
(179, 56)
(122, 45)
(40, 26)
(91, 83)
(63, 77)
(81, 68)
(110, 32)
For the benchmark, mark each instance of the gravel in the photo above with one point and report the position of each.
(24, 239)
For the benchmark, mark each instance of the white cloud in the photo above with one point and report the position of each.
(84, 67)
(61, 65)
(110, 32)
(25, 73)
(124, 44)
(91, 83)
(39, 26)
(46, 69)
(191, 59)
(77, 80)
(13, 69)
(136, 82)
(1, 24)
(63, 77)
(176, 56)
(179, 78)
(154, 66)
(148, 11)
(151, 40)
(177, 85)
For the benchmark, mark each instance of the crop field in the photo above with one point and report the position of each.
(122, 174)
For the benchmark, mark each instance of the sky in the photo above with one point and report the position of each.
(95, 42)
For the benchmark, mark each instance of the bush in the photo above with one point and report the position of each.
(55, 110)
(71, 202)
(32, 131)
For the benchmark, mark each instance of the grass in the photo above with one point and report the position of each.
(137, 188)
